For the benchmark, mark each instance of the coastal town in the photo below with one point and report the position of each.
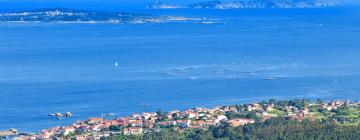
(344, 112)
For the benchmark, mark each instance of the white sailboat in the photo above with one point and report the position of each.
(116, 64)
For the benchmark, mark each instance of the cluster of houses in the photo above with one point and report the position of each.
(95, 128)
(197, 118)
(336, 104)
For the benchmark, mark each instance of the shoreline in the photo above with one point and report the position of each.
(195, 118)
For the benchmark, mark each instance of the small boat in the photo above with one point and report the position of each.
(193, 78)
(111, 114)
(116, 64)
(272, 78)
(58, 115)
(68, 114)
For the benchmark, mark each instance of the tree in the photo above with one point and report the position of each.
(114, 128)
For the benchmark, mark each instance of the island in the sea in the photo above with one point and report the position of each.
(272, 119)
(63, 15)
(237, 4)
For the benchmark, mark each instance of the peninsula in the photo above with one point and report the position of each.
(63, 15)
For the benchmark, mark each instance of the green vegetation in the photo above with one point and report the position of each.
(347, 115)
(114, 128)
(272, 129)
(277, 112)
(336, 120)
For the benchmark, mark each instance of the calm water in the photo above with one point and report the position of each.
(48, 68)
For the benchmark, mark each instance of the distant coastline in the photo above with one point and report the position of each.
(63, 15)
(340, 112)
(239, 4)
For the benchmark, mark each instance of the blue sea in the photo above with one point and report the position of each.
(247, 55)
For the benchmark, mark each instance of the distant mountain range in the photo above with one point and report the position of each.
(81, 16)
(251, 4)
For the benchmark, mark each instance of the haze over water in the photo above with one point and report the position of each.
(246, 55)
